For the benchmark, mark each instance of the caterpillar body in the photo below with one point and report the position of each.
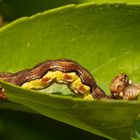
(62, 71)
(69, 72)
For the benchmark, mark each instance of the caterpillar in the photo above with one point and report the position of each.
(65, 71)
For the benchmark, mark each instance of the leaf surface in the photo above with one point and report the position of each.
(104, 38)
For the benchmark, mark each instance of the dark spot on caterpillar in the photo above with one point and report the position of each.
(46, 80)
(68, 78)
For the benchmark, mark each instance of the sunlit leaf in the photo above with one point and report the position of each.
(104, 38)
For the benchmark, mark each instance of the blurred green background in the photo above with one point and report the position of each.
(25, 126)
(12, 9)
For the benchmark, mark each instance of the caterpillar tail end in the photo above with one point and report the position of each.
(2, 94)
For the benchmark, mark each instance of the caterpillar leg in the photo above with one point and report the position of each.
(2, 94)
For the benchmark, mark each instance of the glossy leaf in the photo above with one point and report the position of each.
(104, 38)
(111, 119)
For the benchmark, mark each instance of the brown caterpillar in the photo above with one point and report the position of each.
(66, 71)
(61, 71)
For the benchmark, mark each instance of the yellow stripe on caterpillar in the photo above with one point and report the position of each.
(88, 97)
(71, 78)
(35, 84)
(59, 76)
(77, 86)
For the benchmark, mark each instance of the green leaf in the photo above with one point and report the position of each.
(104, 38)
(136, 131)
(112, 119)
(27, 126)
(14, 106)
